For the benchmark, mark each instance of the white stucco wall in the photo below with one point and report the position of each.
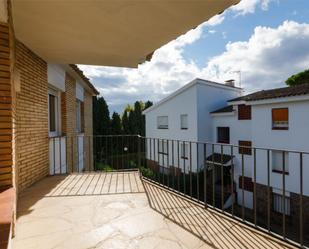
(197, 102)
(295, 138)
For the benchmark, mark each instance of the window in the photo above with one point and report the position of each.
(184, 150)
(248, 184)
(184, 121)
(162, 147)
(53, 112)
(244, 112)
(162, 122)
(79, 116)
(280, 118)
(244, 150)
(280, 206)
(277, 161)
(223, 135)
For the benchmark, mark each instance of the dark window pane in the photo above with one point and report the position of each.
(52, 113)
(223, 135)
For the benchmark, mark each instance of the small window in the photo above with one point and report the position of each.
(278, 204)
(244, 150)
(184, 121)
(278, 159)
(184, 150)
(244, 112)
(53, 112)
(162, 147)
(280, 119)
(162, 122)
(223, 135)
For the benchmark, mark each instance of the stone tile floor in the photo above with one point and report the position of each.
(118, 210)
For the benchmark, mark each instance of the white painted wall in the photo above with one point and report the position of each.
(57, 156)
(197, 101)
(295, 138)
(239, 130)
(56, 76)
(79, 91)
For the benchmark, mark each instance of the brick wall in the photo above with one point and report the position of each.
(32, 117)
(6, 110)
(88, 130)
(69, 118)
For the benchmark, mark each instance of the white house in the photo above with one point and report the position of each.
(273, 125)
(185, 115)
(276, 123)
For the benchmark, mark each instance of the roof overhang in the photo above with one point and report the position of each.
(107, 32)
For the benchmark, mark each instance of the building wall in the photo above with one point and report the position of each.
(6, 110)
(239, 130)
(69, 120)
(88, 123)
(295, 138)
(32, 117)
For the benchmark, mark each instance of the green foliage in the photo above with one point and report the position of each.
(125, 123)
(146, 172)
(103, 167)
(101, 119)
(298, 79)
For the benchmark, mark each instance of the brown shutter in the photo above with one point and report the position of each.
(244, 150)
(280, 114)
(244, 112)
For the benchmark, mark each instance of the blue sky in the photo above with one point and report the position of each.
(267, 40)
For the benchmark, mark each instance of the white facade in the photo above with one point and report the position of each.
(196, 100)
(259, 131)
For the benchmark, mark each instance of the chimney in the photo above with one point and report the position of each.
(230, 82)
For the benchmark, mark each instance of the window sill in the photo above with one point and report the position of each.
(162, 153)
(184, 128)
(223, 142)
(280, 128)
(186, 158)
(280, 172)
(162, 128)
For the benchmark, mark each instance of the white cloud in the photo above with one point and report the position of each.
(266, 60)
(249, 6)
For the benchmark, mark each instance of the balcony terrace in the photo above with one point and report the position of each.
(124, 210)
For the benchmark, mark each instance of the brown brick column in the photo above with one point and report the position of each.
(69, 120)
(6, 109)
(88, 131)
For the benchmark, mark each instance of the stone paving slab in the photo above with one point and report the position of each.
(118, 210)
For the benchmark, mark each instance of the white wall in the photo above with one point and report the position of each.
(239, 130)
(56, 76)
(295, 138)
(184, 103)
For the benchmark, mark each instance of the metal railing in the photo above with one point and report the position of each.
(239, 181)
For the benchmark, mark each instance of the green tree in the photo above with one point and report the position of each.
(125, 123)
(101, 119)
(116, 124)
(147, 105)
(298, 79)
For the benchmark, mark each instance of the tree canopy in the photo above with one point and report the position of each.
(298, 79)
(131, 122)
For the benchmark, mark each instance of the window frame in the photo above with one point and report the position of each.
(57, 103)
(181, 123)
(229, 137)
(277, 205)
(184, 151)
(160, 127)
(273, 125)
(162, 147)
(276, 169)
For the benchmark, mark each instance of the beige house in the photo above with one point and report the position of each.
(46, 101)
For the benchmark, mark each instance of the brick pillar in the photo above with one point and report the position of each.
(88, 129)
(6, 109)
(69, 121)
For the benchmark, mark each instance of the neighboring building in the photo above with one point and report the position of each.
(277, 119)
(185, 115)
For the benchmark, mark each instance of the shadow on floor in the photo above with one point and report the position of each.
(215, 229)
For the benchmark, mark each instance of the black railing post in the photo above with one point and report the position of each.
(243, 186)
(222, 179)
(205, 174)
(254, 185)
(283, 193)
(139, 150)
(213, 177)
(301, 200)
(232, 179)
(268, 191)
